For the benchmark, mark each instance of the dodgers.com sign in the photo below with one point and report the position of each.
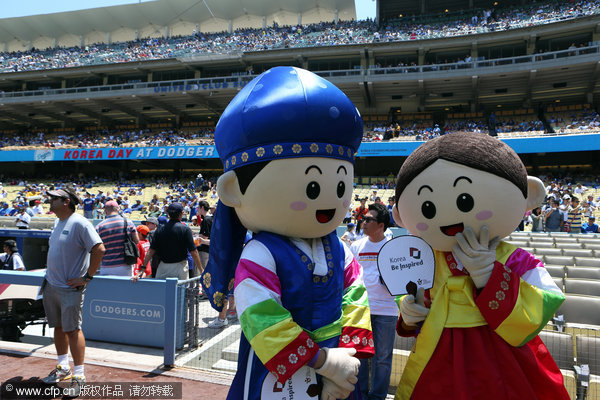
(119, 310)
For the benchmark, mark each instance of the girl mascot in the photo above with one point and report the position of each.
(477, 326)
(287, 142)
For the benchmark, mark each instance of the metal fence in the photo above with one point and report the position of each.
(574, 347)
(200, 346)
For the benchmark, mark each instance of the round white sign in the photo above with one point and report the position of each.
(406, 263)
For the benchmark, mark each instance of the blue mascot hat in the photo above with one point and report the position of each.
(288, 112)
(285, 112)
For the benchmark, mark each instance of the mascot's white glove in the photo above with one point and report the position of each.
(413, 310)
(477, 256)
(341, 368)
(331, 391)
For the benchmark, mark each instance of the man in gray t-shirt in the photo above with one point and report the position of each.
(554, 218)
(74, 256)
(71, 241)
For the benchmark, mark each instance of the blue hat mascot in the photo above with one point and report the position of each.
(287, 142)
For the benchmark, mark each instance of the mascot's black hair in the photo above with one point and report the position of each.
(247, 173)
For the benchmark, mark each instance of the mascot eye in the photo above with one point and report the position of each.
(341, 189)
(313, 189)
(465, 202)
(428, 210)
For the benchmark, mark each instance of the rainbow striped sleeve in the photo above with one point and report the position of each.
(520, 297)
(281, 345)
(356, 315)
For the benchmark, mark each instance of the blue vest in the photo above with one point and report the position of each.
(313, 301)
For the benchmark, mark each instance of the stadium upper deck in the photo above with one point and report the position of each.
(521, 58)
(279, 37)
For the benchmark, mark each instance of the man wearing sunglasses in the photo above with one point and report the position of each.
(384, 311)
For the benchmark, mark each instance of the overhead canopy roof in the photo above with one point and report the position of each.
(393, 9)
(158, 13)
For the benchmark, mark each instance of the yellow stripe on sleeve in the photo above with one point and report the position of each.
(272, 340)
(526, 316)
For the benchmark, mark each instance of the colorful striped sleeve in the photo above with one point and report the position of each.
(520, 296)
(281, 344)
(356, 315)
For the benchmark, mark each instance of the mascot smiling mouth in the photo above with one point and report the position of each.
(451, 230)
(324, 216)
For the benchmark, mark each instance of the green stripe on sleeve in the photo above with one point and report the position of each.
(551, 302)
(261, 316)
(356, 295)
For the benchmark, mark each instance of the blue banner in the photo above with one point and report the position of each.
(110, 153)
(541, 144)
(538, 144)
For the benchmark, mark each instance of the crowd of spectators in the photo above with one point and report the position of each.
(415, 130)
(475, 125)
(314, 35)
(111, 138)
(421, 129)
(519, 125)
(569, 206)
(585, 120)
(572, 122)
(567, 192)
(33, 196)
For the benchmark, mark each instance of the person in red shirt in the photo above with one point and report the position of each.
(362, 210)
(143, 247)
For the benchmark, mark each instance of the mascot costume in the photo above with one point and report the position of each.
(476, 328)
(287, 142)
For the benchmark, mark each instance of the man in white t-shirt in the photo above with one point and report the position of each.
(37, 208)
(580, 189)
(384, 310)
(22, 219)
(11, 259)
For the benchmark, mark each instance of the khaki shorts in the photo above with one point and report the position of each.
(177, 270)
(203, 258)
(63, 307)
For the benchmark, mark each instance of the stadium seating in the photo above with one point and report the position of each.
(569, 245)
(559, 282)
(542, 245)
(580, 309)
(566, 240)
(587, 262)
(573, 119)
(579, 252)
(560, 346)
(539, 237)
(547, 251)
(590, 287)
(556, 271)
(515, 123)
(518, 243)
(588, 353)
(583, 272)
(559, 260)
(280, 37)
